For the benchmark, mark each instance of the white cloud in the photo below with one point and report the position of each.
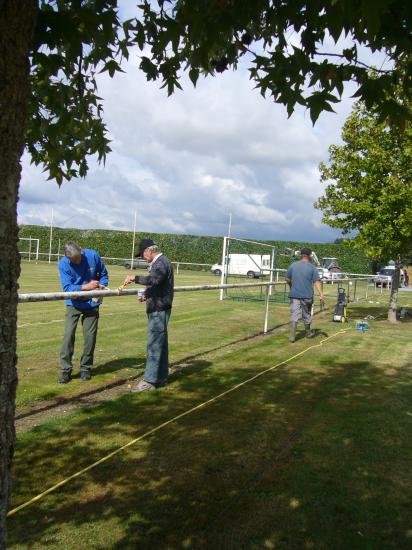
(185, 162)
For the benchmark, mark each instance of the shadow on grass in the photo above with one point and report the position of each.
(380, 313)
(132, 363)
(55, 399)
(407, 319)
(185, 368)
(135, 364)
(242, 340)
(301, 335)
(314, 456)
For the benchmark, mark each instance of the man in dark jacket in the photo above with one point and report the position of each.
(159, 298)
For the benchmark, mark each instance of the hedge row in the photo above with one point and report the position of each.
(184, 248)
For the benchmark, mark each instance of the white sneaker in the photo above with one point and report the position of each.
(142, 385)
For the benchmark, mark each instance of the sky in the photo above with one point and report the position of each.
(185, 163)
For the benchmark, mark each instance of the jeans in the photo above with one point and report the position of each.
(157, 362)
(90, 321)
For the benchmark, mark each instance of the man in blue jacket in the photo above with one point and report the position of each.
(80, 270)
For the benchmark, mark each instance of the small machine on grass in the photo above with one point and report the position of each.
(340, 308)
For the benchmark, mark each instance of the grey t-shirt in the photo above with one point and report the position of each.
(303, 275)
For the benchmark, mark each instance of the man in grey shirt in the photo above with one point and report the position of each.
(300, 277)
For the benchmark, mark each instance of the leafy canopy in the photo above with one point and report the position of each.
(285, 42)
(371, 185)
(288, 44)
(74, 42)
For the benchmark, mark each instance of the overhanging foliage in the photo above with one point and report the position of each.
(297, 52)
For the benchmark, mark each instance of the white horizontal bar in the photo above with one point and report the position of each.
(51, 296)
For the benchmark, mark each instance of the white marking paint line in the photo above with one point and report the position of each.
(49, 322)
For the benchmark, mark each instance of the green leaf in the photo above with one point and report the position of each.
(194, 75)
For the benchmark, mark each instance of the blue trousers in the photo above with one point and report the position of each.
(157, 362)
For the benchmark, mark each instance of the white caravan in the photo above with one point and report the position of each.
(246, 265)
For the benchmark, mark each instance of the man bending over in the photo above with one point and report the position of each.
(80, 270)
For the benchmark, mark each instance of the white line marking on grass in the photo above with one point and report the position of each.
(40, 323)
(49, 322)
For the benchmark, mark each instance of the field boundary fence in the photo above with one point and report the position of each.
(30, 252)
(54, 296)
(355, 293)
(55, 257)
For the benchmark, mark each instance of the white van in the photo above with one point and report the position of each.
(245, 265)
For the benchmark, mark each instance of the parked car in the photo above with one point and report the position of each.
(385, 276)
(137, 263)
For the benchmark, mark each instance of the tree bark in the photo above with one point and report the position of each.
(393, 300)
(17, 21)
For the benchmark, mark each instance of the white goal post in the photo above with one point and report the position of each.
(254, 267)
(33, 251)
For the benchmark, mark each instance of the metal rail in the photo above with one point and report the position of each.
(52, 296)
(79, 295)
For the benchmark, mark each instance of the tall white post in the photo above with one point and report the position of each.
(58, 251)
(272, 263)
(134, 239)
(265, 324)
(37, 249)
(222, 276)
(30, 249)
(225, 258)
(51, 234)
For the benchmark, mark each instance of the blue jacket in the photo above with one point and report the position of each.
(73, 276)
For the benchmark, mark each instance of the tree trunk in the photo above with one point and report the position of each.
(393, 300)
(17, 21)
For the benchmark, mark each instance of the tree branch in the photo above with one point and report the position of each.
(355, 61)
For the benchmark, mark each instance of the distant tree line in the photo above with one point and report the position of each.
(185, 248)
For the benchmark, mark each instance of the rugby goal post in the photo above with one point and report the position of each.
(246, 258)
(32, 245)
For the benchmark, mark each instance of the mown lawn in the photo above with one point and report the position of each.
(200, 323)
(315, 453)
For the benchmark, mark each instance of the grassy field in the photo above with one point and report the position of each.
(315, 453)
(200, 323)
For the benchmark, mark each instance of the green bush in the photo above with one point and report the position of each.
(182, 248)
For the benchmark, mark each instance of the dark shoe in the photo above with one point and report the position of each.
(142, 385)
(85, 375)
(65, 377)
(161, 383)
